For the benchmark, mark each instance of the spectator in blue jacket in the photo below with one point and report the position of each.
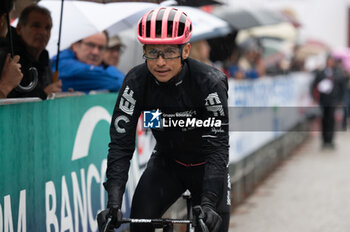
(81, 68)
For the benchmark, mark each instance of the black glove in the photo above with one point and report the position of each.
(109, 219)
(211, 218)
(198, 222)
(115, 196)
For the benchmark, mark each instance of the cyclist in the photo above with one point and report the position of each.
(173, 87)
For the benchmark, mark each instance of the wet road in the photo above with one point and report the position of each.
(309, 192)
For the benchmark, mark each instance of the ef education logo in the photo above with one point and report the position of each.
(152, 119)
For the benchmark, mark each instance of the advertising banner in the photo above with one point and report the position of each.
(52, 163)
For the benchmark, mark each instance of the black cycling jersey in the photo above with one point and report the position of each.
(199, 91)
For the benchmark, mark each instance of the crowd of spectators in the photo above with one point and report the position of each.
(253, 58)
(88, 65)
(246, 61)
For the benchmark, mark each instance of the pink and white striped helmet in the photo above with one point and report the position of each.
(164, 25)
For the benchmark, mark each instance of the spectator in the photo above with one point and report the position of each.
(297, 60)
(297, 64)
(329, 82)
(82, 68)
(232, 70)
(251, 62)
(30, 39)
(200, 50)
(114, 50)
(10, 72)
(339, 65)
(347, 100)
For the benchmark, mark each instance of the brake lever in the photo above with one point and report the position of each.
(106, 229)
(198, 212)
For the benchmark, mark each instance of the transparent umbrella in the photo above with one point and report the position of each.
(285, 31)
(246, 18)
(78, 19)
(205, 25)
(81, 19)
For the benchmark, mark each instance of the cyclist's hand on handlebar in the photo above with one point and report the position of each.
(211, 218)
(198, 216)
(109, 219)
(102, 219)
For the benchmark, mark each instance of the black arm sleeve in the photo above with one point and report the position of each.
(122, 133)
(217, 138)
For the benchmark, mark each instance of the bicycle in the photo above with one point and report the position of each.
(167, 224)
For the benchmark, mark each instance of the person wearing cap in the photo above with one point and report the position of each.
(114, 49)
(176, 95)
(82, 67)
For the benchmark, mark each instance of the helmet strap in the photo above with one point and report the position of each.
(143, 50)
(181, 46)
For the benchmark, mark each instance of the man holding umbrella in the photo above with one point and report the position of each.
(169, 86)
(30, 39)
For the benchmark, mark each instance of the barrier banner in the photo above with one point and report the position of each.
(262, 110)
(52, 163)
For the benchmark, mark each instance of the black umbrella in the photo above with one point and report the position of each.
(33, 72)
(198, 3)
(55, 74)
(222, 47)
(242, 18)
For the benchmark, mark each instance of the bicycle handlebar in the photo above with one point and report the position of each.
(163, 222)
(158, 221)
